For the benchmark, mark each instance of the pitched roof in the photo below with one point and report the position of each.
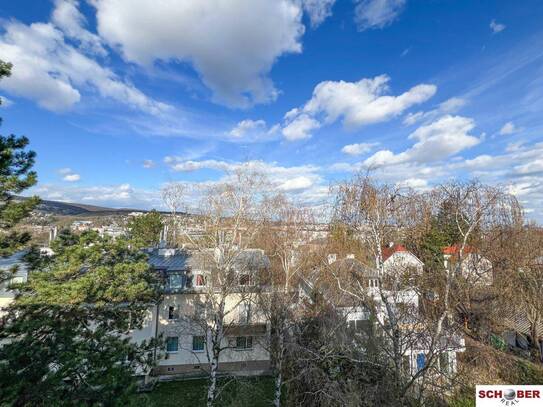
(455, 249)
(390, 250)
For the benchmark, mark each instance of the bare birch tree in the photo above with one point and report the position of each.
(232, 216)
(174, 196)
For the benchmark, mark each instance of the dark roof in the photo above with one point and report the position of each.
(354, 267)
(173, 262)
(182, 260)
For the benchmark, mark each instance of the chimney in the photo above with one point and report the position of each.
(390, 244)
(332, 258)
(52, 234)
(163, 237)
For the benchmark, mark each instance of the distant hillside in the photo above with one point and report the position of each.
(77, 209)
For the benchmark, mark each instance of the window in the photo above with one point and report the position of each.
(444, 362)
(176, 281)
(244, 342)
(172, 344)
(200, 280)
(373, 283)
(244, 313)
(244, 279)
(200, 310)
(173, 312)
(421, 361)
(406, 365)
(198, 343)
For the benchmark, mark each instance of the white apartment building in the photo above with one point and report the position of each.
(182, 321)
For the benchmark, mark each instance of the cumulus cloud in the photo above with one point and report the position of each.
(363, 102)
(300, 127)
(508, 128)
(354, 103)
(53, 73)
(496, 27)
(436, 141)
(231, 44)
(358, 148)
(371, 14)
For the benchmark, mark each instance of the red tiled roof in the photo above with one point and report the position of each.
(455, 249)
(389, 251)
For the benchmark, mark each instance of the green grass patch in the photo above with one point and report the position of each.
(242, 392)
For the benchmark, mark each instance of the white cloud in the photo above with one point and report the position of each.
(64, 171)
(363, 102)
(296, 184)
(355, 103)
(291, 179)
(436, 141)
(148, 164)
(508, 128)
(53, 73)
(358, 149)
(451, 105)
(377, 13)
(71, 177)
(231, 44)
(318, 10)
(121, 195)
(71, 21)
(252, 131)
(496, 27)
(300, 128)
(5, 102)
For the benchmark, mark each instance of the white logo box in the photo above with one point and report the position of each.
(508, 395)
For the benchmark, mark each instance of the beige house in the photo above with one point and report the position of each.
(183, 319)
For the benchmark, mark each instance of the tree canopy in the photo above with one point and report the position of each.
(16, 176)
(144, 230)
(66, 332)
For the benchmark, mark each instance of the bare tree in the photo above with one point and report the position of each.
(232, 216)
(174, 196)
(284, 239)
(378, 214)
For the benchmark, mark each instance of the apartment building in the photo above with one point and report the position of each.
(185, 316)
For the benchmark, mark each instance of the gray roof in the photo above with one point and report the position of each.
(182, 260)
(354, 267)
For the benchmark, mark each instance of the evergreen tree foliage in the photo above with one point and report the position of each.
(144, 230)
(65, 335)
(15, 177)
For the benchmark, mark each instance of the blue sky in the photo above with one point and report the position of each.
(120, 97)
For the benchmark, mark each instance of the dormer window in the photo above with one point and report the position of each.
(176, 281)
(200, 280)
(244, 279)
(373, 282)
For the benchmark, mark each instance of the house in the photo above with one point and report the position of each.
(473, 266)
(332, 285)
(397, 259)
(7, 264)
(181, 317)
